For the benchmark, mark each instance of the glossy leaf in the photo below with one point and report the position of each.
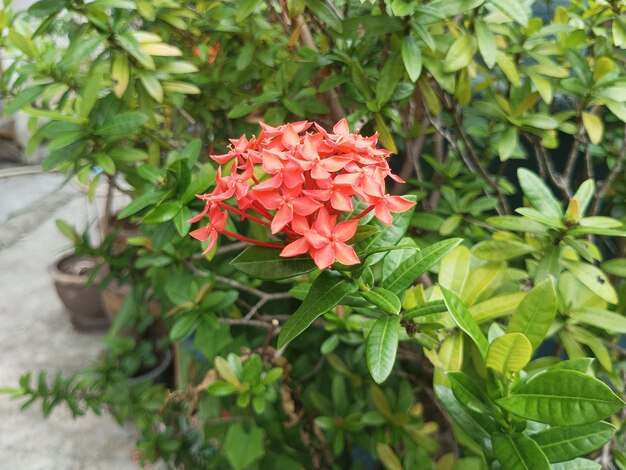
(594, 279)
(464, 320)
(538, 194)
(563, 398)
(566, 443)
(412, 57)
(604, 319)
(383, 299)
(519, 452)
(266, 264)
(535, 313)
(413, 267)
(326, 292)
(509, 353)
(381, 347)
(500, 250)
(122, 124)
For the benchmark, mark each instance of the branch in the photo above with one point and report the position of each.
(572, 158)
(606, 184)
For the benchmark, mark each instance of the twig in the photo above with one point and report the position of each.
(242, 322)
(572, 158)
(606, 184)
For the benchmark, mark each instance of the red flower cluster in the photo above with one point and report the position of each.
(299, 182)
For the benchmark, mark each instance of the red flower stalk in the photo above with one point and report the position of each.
(298, 182)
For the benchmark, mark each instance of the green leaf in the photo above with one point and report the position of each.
(90, 91)
(604, 319)
(508, 67)
(105, 162)
(535, 313)
(509, 353)
(468, 393)
(496, 307)
(201, 181)
(23, 43)
(460, 54)
(130, 45)
(538, 194)
(519, 452)
(550, 265)
(516, 224)
(512, 9)
(184, 326)
(594, 127)
(381, 347)
(464, 320)
(429, 308)
(383, 299)
(266, 264)
(141, 202)
(325, 14)
(563, 398)
(576, 464)
(540, 121)
(153, 86)
(486, 42)
(454, 269)
(25, 97)
(388, 457)
(326, 292)
(537, 216)
(566, 443)
(477, 425)
(128, 155)
(163, 212)
(615, 266)
(414, 266)
(501, 250)
(593, 278)
(412, 57)
(389, 78)
(242, 448)
(245, 9)
(67, 138)
(482, 282)
(221, 389)
(447, 9)
(124, 123)
(507, 143)
(386, 138)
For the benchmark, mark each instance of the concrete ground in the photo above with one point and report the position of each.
(35, 333)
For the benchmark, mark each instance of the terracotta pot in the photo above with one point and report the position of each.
(70, 275)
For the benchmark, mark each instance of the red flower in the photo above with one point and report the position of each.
(298, 182)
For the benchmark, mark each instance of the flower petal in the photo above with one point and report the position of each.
(345, 254)
(398, 204)
(323, 223)
(382, 213)
(324, 257)
(295, 248)
(345, 230)
(281, 218)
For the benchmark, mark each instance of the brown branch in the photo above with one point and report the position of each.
(572, 158)
(606, 184)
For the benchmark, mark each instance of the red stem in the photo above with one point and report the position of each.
(242, 213)
(365, 212)
(250, 240)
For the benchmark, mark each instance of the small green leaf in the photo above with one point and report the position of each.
(124, 123)
(519, 452)
(468, 393)
(604, 319)
(25, 97)
(464, 320)
(266, 264)
(566, 443)
(414, 266)
(381, 347)
(516, 224)
(535, 314)
(221, 389)
(509, 353)
(383, 299)
(105, 162)
(460, 54)
(512, 9)
(163, 212)
(412, 57)
(388, 457)
(242, 448)
(563, 398)
(326, 292)
(184, 326)
(486, 42)
(501, 250)
(594, 127)
(577, 464)
(593, 278)
(538, 194)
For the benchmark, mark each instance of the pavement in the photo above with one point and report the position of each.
(36, 335)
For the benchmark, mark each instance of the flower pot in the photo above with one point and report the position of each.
(82, 300)
(158, 375)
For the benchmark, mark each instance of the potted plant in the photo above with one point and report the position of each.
(76, 280)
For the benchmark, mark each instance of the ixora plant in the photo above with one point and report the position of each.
(322, 187)
(439, 335)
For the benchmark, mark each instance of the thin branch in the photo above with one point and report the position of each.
(243, 322)
(572, 158)
(606, 184)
